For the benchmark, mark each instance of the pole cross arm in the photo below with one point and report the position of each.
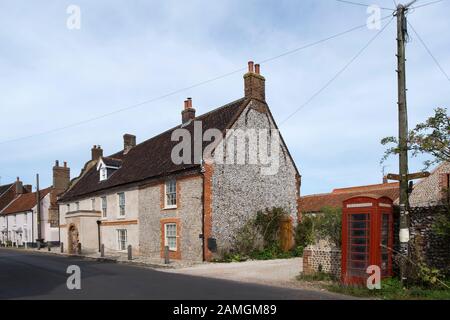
(411, 176)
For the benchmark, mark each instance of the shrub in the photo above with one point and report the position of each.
(329, 225)
(258, 238)
(304, 233)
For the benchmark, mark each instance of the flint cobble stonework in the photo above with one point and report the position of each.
(323, 259)
(188, 213)
(239, 191)
(425, 244)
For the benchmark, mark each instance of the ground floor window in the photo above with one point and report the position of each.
(122, 239)
(171, 236)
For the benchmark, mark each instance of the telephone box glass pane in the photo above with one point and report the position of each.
(358, 244)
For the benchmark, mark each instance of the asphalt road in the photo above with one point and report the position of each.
(30, 275)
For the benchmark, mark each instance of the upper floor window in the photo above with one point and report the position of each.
(68, 207)
(77, 206)
(93, 204)
(121, 204)
(104, 207)
(171, 194)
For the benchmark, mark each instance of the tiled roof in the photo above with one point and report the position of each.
(112, 162)
(5, 188)
(25, 202)
(152, 158)
(315, 202)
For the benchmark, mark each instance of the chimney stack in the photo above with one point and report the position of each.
(254, 83)
(61, 177)
(19, 186)
(129, 142)
(28, 188)
(97, 152)
(189, 112)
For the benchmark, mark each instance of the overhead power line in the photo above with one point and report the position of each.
(362, 4)
(428, 4)
(292, 51)
(318, 92)
(429, 52)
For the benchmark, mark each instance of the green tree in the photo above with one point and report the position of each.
(430, 137)
(329, 225)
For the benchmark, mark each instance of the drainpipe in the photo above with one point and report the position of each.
(59, 226)
(32, 228)
(99, 237)
(203, 212)
(38, 211)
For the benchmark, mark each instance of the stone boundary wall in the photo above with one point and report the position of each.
(425, 243)
(326, 259)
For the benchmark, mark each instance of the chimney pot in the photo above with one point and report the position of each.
(65, 164)
(56, 163)
(257, 68)
(250, 66)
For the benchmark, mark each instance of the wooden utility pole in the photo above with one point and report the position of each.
(402, 133)
(38, 210)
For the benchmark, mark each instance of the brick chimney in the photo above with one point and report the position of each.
(19, 186)
(28, 188)
(61, 177)
(254, 83)
(129, 142)
(97, 152)
(189, 112)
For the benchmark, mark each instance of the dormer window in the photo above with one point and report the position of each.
(107, 166)
(103, 174)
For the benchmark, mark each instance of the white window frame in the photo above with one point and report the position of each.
(166, 198)
(103, 173)
(166, 236)
(77, 206)
(104, 207)
(122, 206)
(93, 204)
(122, 239)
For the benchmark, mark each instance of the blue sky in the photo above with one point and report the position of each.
(127, 52)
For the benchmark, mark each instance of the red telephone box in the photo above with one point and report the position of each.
(367, 236)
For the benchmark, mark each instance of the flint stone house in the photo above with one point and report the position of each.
(19, 218)
(140, 197)
(432, 190)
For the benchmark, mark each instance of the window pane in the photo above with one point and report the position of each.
(171, 193)
(171, 235)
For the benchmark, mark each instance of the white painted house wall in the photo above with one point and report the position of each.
(110, 224)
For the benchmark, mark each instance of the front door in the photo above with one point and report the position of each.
(73, 239)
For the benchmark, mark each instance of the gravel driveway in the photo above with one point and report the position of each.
(281, 272)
